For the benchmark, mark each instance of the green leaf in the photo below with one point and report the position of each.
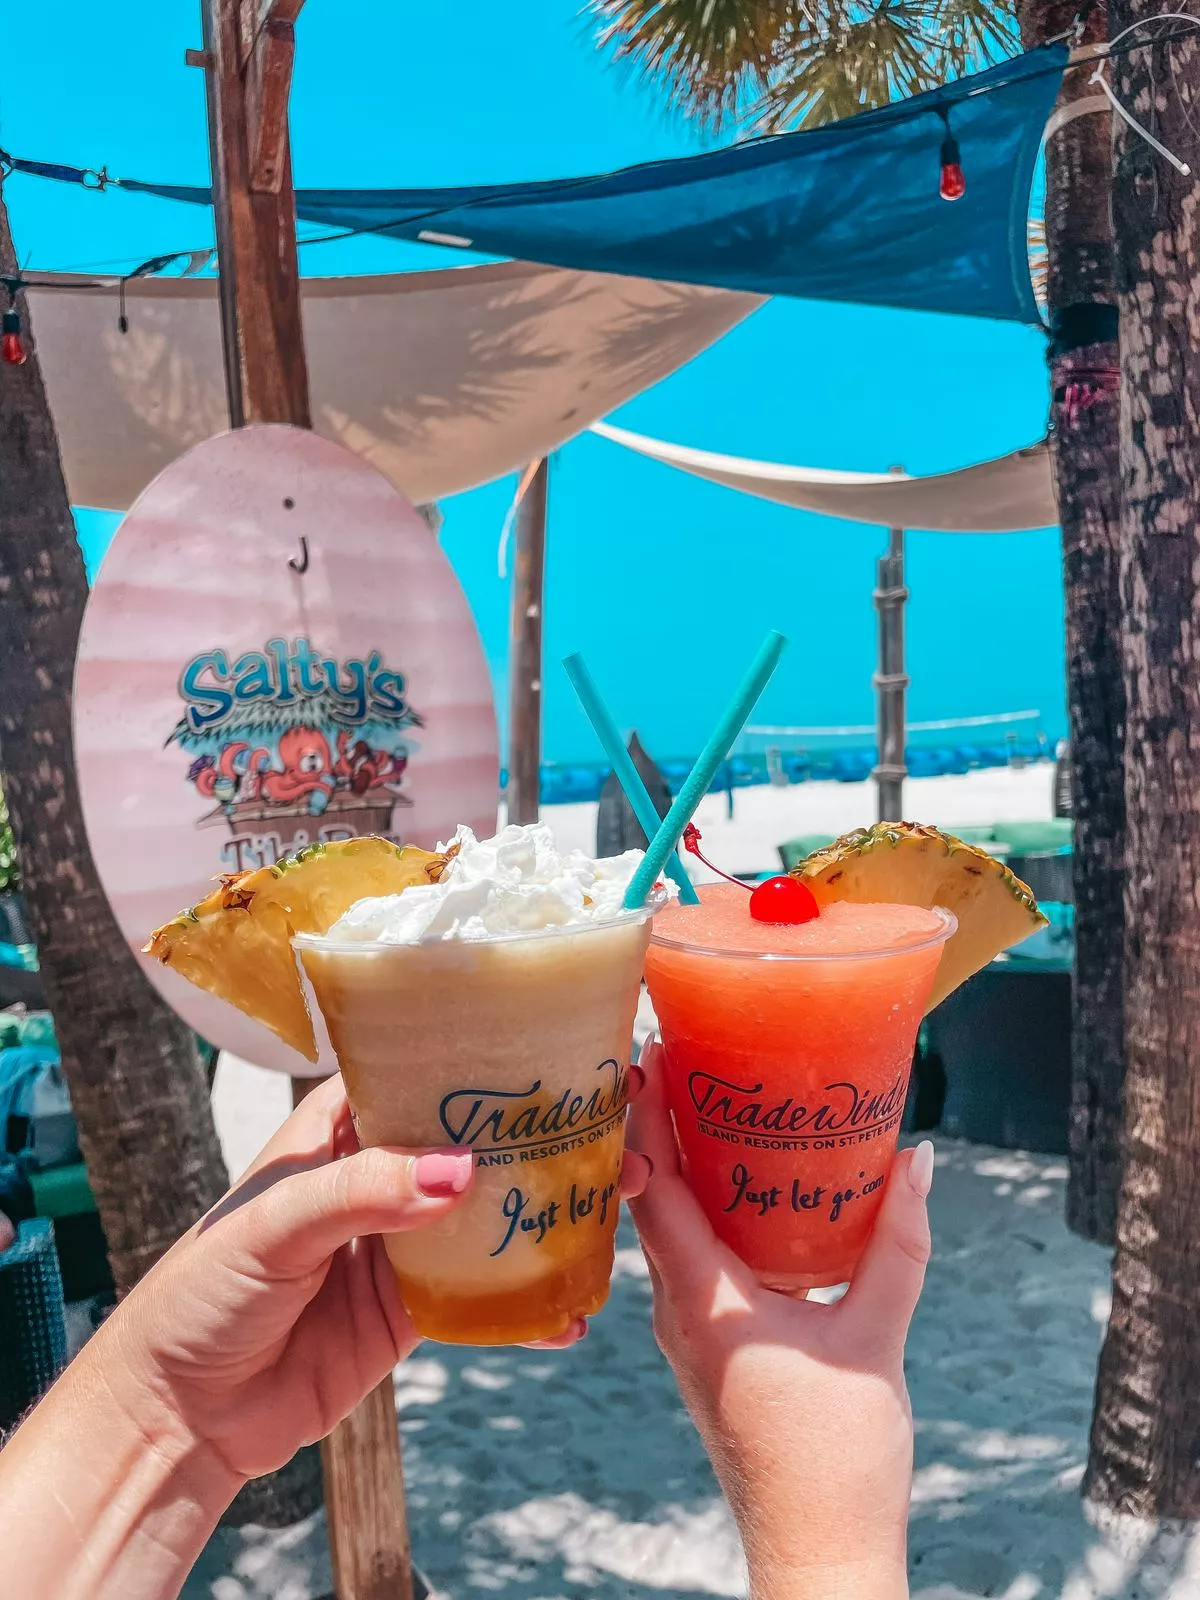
(768, 65)
(712, 56)
(9, 872)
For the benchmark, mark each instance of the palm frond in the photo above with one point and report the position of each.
(1039, 259)
(972, 32)
(770, 65)
(712, 56)
(863, 58)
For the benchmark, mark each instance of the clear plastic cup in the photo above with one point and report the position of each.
(517, 1047)
(787, 1077)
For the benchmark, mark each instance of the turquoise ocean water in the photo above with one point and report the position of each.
(665, 583)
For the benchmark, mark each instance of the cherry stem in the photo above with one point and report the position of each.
(691, 842)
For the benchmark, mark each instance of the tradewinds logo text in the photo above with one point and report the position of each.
(844, 1108)
(519, 1119)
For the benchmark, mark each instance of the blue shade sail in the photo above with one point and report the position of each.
(848, 212)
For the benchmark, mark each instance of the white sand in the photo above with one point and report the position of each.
(537, 1476)
(764, 817)
(534, 1476)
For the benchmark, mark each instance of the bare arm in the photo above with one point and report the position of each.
(802, 1407)
(254, 1335)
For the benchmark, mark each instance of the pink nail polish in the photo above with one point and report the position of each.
(920, 1169)
(443, 1173)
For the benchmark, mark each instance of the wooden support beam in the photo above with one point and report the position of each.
(369, 1547)
(891, 680)
(279, 11)
(247, 55)
(266, 377)
(268, 86)
(525, 651)
(368, 1531)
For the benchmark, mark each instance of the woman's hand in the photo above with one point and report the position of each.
(278, 1312)
(802, 1407)
(260, 1330)
(254, 1335)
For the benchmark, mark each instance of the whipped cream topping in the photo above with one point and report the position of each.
(517, 882)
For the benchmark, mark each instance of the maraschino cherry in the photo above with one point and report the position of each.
(783, 899)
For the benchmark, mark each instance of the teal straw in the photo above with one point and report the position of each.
(628, 775)
(696, 784)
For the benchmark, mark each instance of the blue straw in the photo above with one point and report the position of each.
(628, 775)
(696, 784)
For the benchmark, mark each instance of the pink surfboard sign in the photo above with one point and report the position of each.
(276, 652)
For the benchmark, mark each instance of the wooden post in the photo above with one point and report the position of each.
(891, 680)
(247, 57)
(525, 651)
(370, 1551)
(248, 49)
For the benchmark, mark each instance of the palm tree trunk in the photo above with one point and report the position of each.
(1085, 444)
(138, 1089)
(1145, 1448)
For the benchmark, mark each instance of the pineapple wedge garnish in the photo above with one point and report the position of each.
(908, 864)
(236, 944)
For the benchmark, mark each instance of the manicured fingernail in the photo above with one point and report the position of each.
(637, 1081)
(920, 1169)
(443, 1173)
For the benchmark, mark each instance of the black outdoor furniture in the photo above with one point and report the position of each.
(33, 1333)
(1000, 1047)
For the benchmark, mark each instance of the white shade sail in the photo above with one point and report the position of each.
(443, 380)
(1007, 495)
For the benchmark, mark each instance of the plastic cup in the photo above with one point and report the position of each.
(787, 1074)
(517, 1047)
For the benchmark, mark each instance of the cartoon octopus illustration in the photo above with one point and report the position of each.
(307, 775)
(231, 778)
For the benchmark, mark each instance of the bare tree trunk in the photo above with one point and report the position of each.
(138, 1089)
(1145, 1455)
(1081, 294)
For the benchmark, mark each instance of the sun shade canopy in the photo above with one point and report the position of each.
(443, 380)
(1010, 494)
(849, 212)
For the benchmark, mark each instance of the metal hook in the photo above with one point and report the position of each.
(300, 566)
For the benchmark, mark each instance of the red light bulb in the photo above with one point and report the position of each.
(953, 185)
(783, 899)
(12, 346)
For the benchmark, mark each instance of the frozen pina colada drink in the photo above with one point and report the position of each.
(494, 1010)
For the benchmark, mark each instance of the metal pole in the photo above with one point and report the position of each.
(525, 651)
(891, 680)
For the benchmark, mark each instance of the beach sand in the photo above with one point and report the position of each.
(535, 1476)
(763, 817)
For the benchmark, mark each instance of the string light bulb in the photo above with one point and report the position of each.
(12, 345)
(953, 184)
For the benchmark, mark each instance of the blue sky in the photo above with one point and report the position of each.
(644, 564)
